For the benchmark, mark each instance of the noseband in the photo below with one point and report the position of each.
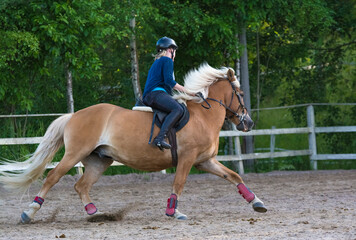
(234, 113)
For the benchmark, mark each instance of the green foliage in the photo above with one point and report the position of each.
(283, 164)
(18, 49)
(306, 54)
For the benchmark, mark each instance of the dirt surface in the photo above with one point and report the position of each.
(301, 205)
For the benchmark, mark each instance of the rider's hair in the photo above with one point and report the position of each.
(160, 54)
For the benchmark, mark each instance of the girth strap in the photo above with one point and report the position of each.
(152, 126)
(173, 141)
(172, 138)
(158, 118)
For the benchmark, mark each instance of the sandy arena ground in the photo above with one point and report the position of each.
(301, 205)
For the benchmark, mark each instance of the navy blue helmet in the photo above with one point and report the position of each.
(165, 43)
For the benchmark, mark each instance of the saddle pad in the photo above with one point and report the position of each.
(142, 108)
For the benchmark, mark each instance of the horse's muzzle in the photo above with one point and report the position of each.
(245, 125)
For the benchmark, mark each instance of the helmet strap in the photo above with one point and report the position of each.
(172, 53)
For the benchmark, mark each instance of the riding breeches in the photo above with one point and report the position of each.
(164, 102)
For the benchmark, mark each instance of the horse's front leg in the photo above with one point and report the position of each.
(183, 169)
(215, 167)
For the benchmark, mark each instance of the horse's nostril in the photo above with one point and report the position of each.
(240, 126)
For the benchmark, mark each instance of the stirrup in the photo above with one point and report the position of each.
(163, 145)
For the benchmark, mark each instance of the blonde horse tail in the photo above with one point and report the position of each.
(21, 180)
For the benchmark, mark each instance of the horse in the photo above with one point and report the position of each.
(103, 133)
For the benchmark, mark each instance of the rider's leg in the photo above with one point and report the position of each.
(164, 102)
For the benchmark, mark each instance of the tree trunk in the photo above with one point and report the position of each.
(134, 61)
(70, 103)
(258, 90)
(70, 100)
(245, 85)
(237, 65)
(237, 140)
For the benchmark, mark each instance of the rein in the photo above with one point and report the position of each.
(234, 92)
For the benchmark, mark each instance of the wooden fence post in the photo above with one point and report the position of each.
(312, 137)
(272, 144)
(239, 163)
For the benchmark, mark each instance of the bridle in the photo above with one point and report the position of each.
(234, 113)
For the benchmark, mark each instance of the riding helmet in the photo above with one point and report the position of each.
(165, 43)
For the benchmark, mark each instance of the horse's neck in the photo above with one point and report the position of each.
(213, 117)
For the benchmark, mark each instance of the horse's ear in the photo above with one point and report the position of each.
(231, 75)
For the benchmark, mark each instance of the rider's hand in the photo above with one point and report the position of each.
(183, 89)
(193, 94)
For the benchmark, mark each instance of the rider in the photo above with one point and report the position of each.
(158, 89)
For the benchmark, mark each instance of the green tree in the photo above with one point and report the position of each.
(71, 32)
(19, 48)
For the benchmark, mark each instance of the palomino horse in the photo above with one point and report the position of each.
(103, 133)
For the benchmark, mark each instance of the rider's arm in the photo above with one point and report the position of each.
(168, 75)
(183, 89)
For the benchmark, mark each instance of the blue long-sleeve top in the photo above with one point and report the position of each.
(161, 74)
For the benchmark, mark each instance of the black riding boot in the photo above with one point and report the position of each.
(161, 143)
(168, 123)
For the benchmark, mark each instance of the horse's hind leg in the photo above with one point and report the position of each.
(215, 167)
(68, 161)
(94, 168)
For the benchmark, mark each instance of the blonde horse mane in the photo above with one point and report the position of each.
(200, 79)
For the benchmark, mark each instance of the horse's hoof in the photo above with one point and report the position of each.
(259, 207)
(180, 216)
(25, 218)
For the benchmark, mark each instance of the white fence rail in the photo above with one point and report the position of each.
(311, 130)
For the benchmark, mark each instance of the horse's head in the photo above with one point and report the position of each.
(201, 79)
(236, 110)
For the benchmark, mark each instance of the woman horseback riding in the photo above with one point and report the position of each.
(158, 89)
